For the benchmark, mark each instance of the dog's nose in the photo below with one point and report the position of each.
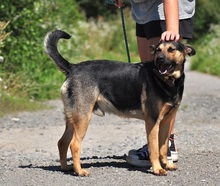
(161, 58)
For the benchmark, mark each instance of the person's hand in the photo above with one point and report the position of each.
(170, 36)
(119, 3)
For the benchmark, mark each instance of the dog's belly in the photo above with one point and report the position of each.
(103, 106)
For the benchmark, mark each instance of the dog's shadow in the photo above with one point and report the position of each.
(108, 161)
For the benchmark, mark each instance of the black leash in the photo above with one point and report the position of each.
(113, 2)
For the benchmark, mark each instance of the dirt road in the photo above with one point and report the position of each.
(29, 155)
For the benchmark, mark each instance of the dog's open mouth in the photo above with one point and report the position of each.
(166, 68)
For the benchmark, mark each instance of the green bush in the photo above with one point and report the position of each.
(207, 13)
(99, 39)
(207, 59)
(24, 52)
(26, 64)
(3, 34)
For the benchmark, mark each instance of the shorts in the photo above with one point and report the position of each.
(156, 28)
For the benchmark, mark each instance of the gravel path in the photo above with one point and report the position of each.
(29, 154)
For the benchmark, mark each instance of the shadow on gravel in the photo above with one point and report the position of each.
(108, 161)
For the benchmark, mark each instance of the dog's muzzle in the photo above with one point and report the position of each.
(164, 65)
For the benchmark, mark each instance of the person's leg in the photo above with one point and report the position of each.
(144, 49)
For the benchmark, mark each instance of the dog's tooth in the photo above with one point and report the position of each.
(163, 72)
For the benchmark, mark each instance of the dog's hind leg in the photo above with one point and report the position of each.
(63, 145)
(80, 124)
(65, 140)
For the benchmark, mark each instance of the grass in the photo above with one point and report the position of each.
(17, 93)
(12, 105)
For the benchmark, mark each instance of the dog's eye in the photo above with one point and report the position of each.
(158, 50)
(170, 49)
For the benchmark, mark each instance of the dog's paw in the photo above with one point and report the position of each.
(83, 173)
(160, 172)
(171, 166)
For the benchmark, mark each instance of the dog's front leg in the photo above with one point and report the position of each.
(152, 130)
(158, 139)
(164, 133)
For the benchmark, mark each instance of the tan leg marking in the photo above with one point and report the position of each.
(153, 140)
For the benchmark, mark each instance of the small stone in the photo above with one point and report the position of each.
(15, 119)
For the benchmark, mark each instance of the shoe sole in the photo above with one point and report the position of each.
(174, 154)
(138, 163)
(142, 163)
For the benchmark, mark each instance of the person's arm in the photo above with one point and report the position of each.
(171, 12)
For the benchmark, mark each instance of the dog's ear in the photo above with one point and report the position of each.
(153, 47)
(189, 50)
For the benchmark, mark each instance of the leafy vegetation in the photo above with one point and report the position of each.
(28, 75)
(208, 56)
(3, 34)
(207, 14)
(207, 37)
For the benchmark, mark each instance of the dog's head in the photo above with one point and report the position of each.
(170, 57)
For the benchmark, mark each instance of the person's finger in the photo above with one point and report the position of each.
(162, 36)
(177, 38)
(170, 36)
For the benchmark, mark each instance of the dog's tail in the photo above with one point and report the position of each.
(50, 43)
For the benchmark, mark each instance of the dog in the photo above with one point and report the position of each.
(150, 91)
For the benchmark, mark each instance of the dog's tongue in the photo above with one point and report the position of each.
(164, 68)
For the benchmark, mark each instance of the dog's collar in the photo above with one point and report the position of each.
(168, 80)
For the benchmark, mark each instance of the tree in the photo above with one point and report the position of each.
(207, 13)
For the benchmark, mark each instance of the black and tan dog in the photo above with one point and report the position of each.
(149, 91)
